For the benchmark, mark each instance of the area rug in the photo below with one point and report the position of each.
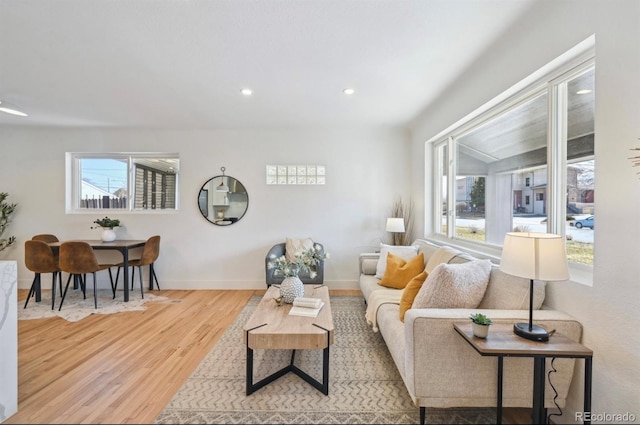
(364, 384)
(76, 308)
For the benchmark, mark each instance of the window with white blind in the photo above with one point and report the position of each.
(122, 181)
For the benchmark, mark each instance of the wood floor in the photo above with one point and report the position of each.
(124, 368)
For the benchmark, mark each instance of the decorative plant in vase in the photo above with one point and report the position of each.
(107, 224)
(292, 287)
(480, 324)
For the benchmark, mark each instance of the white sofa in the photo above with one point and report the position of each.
(441, 370)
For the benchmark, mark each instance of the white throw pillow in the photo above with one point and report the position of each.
(454, 285)
(296, 246)
(402, 251)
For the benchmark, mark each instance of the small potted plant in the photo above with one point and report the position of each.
(107, 224)
(480, 324)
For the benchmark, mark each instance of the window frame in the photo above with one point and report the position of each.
(73, 182)
(552, 80)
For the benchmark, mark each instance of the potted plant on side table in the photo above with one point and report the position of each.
(480, 325)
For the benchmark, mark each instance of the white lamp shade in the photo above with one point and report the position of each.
(539, 256)
(395, 225)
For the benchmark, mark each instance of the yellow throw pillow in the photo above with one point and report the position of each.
(399, 272)
(409, 293)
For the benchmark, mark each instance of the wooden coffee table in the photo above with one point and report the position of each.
(270, 327)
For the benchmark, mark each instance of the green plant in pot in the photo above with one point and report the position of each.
(480, 324)
(107, 224)
(6, 209)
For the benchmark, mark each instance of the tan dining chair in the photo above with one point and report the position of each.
(39, 258)
(45, 237)
(49, 238)
(78, 258)
(150, 253)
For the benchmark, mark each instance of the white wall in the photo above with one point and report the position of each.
(609, 308)
(366, 169)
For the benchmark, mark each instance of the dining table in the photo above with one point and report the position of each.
(122, 245)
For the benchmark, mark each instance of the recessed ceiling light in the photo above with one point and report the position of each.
(10, 109)
(246, 92)
(348, 91)
(585, 91)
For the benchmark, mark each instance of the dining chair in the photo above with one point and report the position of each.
(78, 258)
(45, 237)
(49, 238)
(39, 258)
(150, 253)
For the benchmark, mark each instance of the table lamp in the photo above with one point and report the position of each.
(538, 256)
(395, 225)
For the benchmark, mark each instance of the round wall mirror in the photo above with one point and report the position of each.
(223, 200)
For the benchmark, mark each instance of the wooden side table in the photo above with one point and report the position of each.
(502, 342)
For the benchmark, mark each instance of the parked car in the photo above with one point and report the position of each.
(584, 222)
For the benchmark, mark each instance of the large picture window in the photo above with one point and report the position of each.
(121, 181)
(527, 164)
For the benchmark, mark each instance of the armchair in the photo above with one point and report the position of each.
(279, 250)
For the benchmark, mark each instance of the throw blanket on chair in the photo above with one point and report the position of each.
(376, 299)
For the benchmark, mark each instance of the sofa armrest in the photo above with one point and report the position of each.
(442, 370)
(367, 263)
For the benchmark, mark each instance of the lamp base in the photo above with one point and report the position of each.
(535, 333)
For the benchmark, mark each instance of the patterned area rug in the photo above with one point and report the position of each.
(364, 384)
(76, 308)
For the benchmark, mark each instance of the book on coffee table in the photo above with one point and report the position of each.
(309, 307)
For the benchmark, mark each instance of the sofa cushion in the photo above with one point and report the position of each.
(409, 293)
(454, 285)
(510, 292)
(399, 272)
(368, 284)
(296, 246)
(402, 251)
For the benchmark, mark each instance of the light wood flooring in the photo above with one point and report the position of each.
(124, 368)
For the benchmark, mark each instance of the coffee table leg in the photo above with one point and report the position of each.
(249, 370)
(250, 387)
(320, 386)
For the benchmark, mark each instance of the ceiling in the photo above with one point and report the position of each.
(180, 64)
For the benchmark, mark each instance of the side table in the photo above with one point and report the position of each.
(502, 342)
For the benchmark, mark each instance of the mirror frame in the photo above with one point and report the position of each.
(208, 190)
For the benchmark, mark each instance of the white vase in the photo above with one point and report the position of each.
(108, 235)
(290, 288)
(481, 331)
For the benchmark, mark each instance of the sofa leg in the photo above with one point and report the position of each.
(423, 414)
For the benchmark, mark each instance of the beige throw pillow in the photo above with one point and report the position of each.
(296, 246)
(402, 251)
(511, 293)
(454, 285)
